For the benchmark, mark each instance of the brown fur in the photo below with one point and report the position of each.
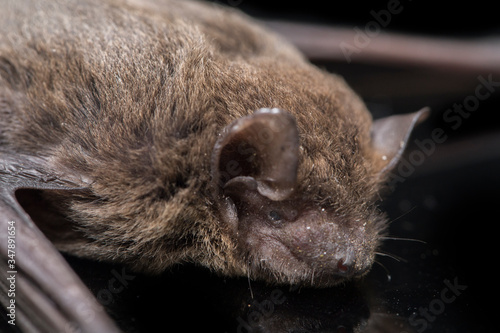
(132, 95)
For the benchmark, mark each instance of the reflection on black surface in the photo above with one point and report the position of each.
(285, 309)
(198, 301)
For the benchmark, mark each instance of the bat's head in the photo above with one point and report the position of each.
(297, 217)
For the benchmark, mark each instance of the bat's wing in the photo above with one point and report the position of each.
(39, 289)
(331, 43)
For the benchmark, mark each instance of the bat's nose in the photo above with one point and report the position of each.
(347, 267)
(344, 267)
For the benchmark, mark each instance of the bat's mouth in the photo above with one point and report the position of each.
(292, 264)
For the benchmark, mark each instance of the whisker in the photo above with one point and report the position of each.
(389, 277)
(402, 239)
(392, 256)
(249, 284)
(402, 215)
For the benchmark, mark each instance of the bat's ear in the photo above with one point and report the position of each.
(259, 149)
(390, 136)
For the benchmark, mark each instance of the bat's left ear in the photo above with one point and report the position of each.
(390, 136)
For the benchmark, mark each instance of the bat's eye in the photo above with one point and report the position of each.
(274, 216)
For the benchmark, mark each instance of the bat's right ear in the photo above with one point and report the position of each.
(255, 154)
(262, 149)
(390, 136)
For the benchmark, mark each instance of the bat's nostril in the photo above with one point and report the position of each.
(343, 267)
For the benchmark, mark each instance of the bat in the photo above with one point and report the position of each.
(150, 133)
